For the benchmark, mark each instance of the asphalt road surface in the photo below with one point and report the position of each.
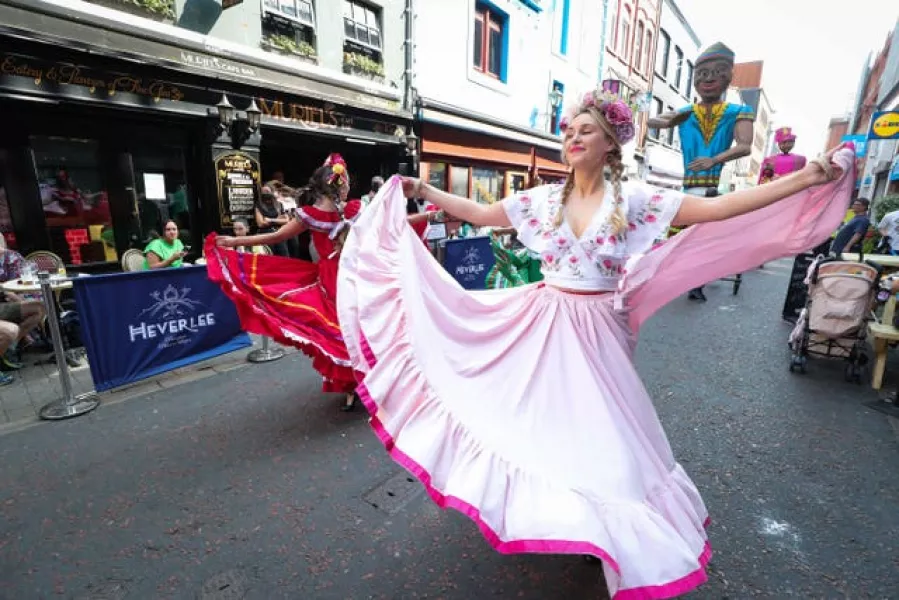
(253, 485)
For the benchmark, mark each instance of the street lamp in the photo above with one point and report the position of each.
(238, 125)
(556, 97)
(411, 143)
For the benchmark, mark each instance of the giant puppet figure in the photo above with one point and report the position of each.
(778, 165)
(712, 131)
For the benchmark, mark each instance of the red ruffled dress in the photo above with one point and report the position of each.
(293, 301)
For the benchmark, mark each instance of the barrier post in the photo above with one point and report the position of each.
(266, 353)
(69, 405)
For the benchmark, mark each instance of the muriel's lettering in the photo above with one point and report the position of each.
(311, 117)
(148, 331)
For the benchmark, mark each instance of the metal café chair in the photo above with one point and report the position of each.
(133, 260)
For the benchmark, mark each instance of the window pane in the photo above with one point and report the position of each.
(362, 34)
(495, 52)
(375, 38)
(478, 57)
(305, 9)
(459, 183)
(371, 19)
(159, 176)
(349, 29)
(76, 207)
(487, 185)
(348, 9)
(688, 84)
(437, 175)
(288, 8)
(358, 13)
(272, 4)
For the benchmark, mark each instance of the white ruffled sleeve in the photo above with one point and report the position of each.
(650, 211)
(528, 213)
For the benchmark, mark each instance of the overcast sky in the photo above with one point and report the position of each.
(813, 52)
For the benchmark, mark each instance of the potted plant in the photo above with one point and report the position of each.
(158, 10)
(284, 44)
(355, 63)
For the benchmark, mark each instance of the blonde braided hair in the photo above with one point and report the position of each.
(614, 162)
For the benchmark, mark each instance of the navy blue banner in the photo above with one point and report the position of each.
(469, 260)
(137, 325)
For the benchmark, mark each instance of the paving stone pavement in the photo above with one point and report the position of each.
(38, 384)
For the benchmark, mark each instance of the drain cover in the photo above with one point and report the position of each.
(393, 494)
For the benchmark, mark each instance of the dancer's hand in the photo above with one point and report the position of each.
(411, 187)
(822, 169)
(226, 241)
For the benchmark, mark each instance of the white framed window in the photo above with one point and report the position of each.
(300, 11)
(361, 24)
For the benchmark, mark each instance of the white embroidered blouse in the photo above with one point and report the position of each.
(595, 261)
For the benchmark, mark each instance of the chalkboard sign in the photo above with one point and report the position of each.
(237, 177)
(469, 260)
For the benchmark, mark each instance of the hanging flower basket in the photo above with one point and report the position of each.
(281, 44)
(361, 65)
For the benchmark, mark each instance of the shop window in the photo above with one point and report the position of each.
(159, 178)
(490, 41)
(486, 185)
(459, 181)
(437, 175)
(515, 182)
(663, 50)
(6, 225)
(362, 40)
(76, 206)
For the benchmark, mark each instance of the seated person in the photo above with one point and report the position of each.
(166, 251)
(18, 318)
(241, 229)
(11, 262)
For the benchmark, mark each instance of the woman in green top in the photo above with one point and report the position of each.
(167, 251)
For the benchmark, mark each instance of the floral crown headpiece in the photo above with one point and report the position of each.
(338, 168)
(617, 111)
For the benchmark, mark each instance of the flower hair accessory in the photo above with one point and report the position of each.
(616, 110)
(338, 168)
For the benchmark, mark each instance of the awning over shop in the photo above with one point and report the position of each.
(484, 126)
(551, 166)
(445, 142)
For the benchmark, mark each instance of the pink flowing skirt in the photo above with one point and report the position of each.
(522, 408)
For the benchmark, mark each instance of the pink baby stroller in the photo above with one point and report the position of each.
(833, 324)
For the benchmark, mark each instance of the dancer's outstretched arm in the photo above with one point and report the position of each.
(292, 228)
(699, 210)
(481, 215)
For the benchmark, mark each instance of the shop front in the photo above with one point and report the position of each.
(478, 158)
(99, 151)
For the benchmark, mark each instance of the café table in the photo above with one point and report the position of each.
(49, 286)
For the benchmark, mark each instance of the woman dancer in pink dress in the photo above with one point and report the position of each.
(521, 407)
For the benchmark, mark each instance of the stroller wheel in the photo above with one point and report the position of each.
(797, 362)
(853, 373)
